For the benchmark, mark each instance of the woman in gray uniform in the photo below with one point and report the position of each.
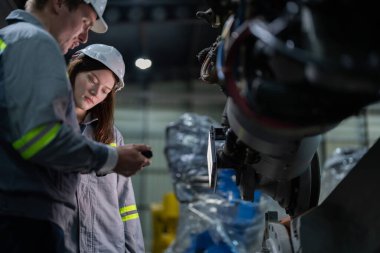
(107, 218)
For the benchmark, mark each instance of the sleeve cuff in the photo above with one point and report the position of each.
(110, 163)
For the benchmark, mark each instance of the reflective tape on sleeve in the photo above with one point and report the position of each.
(36, 139)
(113, 144)
(128, 209)
(130, 217)
(3, 45)
(129, 213)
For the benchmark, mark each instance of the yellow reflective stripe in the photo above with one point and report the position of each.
(41, 143)
(130, 217)
(27, 137)
(128, 209)
(113, 144)
(38, 144)
(2, 45)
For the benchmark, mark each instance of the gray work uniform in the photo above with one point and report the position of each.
(107, 213)
(42, 150)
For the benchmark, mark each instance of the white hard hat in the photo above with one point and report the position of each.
(110, 57)
(99, 6)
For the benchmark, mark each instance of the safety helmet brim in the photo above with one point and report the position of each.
(100, 26)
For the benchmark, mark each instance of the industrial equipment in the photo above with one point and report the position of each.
(291, 71)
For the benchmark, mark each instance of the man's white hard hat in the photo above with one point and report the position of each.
(110, 57)
(99, 6)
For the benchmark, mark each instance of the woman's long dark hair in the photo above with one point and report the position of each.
(104, 111)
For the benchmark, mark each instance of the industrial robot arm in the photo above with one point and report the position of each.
(287, 81)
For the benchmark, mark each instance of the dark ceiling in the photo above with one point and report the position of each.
(165, 31)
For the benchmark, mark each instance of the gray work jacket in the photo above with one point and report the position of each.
(42, 150)
(107, 218)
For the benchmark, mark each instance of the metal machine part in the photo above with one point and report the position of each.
(288, 81)
(282, 156)
(276, 236)
(278, 239)
(347, 221)
(291, 71)
(296, 194)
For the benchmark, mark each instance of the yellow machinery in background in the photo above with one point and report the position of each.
(165, 219)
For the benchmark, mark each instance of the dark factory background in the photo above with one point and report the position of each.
(168, 33)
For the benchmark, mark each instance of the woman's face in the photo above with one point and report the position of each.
(92, 87)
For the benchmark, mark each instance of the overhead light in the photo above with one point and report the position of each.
(142, 63)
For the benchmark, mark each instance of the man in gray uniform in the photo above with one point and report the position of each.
(42, 151)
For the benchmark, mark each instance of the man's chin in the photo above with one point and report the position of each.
(66, 48)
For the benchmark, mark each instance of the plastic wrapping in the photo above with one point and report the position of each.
(214, 223)
(337, 167)
(185, 150)
(209, 221)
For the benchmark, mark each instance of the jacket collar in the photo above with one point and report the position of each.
(88, 119)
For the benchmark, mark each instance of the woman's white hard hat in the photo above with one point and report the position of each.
(110, 57)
